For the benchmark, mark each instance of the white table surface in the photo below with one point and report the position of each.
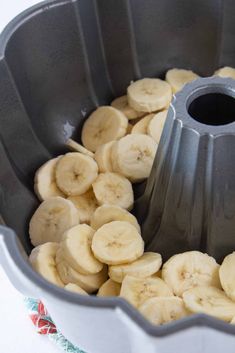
(17, 333)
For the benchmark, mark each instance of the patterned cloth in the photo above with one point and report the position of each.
(45, 326)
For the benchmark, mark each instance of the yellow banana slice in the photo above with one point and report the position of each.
(149, 95)
(76, 249)
(177, 78)
(42, 259)
(129, 129)
(75, 172)
(109, 289)
(75, 288)
(137, 290)
(227, 275)
(76, 147)
(121, 103)
(51, 219)
(105, 124)
(103, 157)
(113, 189)
(148, 264)
(142, 126)
(156, 125)
(116, 243)
(211, 301)
(225, 72)
(86, 205)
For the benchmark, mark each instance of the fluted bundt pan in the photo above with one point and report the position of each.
(60, 60)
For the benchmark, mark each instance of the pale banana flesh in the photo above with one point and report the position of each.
(103, 157)
(121, 103)
(75, 288)
(76, 147)
(141, 127)
(156, 125)
(227, 275)
(225, 72)
(86, 205)
(177, 78)
(109, 289)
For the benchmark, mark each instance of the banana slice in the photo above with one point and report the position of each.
(129, 129)
(177, 78)
(190, 269)
(121, 103)
(86, 205)
(141, 126)
(51, 219)
(137, 290)
(133, 156)
(44, 181)
(75, 288)
(113, 189)
(211, 301)
(117, 243)
(42, 259)
(227, 275)
(161, 310)
(108, 213)
(149, 95)
(105, 124)
(232, 321)
(148, 264)
(109, 289)
(226, 72)
(90, 283)
(75, 172)
(76, 249)
(103, 157)
(156, 125)
(76, 147)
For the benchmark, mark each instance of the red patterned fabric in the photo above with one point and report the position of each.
(42, 322)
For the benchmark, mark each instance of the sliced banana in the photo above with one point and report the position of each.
(75, 288)
(44, 181)
(108, 213)
(148, 264)
(141, 127)
(137, 290)
(51, 219)
(90, 283)
(103, 157)
(190, 269)
(211, 301)
(76, 147)
(86, 205)
(156, 125)
(227, 275)
(117, 243)
(161, 310)
(226, 72)
(177, 78)
(113, 189)
(76, 249)
(42, 259)
(75, 172)
(129, 129)
(121, 103)
(149, 95)
(232, 321)
(109, 289)
(133, 156)
(105, 124)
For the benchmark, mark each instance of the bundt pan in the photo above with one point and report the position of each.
(61, 59)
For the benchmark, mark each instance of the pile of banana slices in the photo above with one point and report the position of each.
(87, 241)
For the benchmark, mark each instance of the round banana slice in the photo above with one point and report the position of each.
(156, 125)
(75, 288)
(137, 290)
(109, 289)
(121, 103)
(75, 172)
(177, 78)
(113, 189)
(108, 213)
(44, 181)
(76, 249)
(76, 147)
(148, 264)
(133, 156)
(51, 219)
(211, 301)
(227, 275)
(86, 205)
(149, 95)
(226, 72)
(190, 269)
(161, 310)
(42, 259)
(103, 157)
(117, 243)
(90, 283)
(105, 124)
(142, 126)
